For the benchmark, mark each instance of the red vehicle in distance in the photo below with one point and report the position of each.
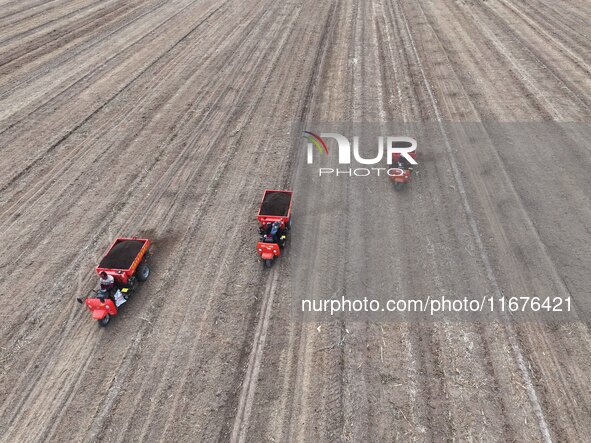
(400, 172)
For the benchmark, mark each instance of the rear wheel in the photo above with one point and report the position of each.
(143, 272)
(105, 320)
(268, 263)
(398, 186)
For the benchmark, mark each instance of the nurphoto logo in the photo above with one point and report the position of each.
(397, 150)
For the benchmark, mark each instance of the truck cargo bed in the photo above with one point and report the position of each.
(122, 254)
(275, 203)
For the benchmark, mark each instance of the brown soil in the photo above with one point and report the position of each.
(275, 203)
(122, 255)
(172, 116)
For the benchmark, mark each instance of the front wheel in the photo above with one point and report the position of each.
(268, 263)
(143, 272)
(105, 320)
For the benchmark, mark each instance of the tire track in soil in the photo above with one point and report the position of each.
(317, 412)
(176, 170)
(305, 109)
(548, 23)
(29, 8)
(429, 395)
(171, 173)
(335, 407)
(307, 357)
(269, 293)
(414, 423)
(181, 377)
(319, 375)
(357, 395)
(23, 113)
(245, 402)
(45, 15)
(576, 93)
(192, 349)
(79, 14)
(61, 37)
(547, 361)
(359, 407)
(243, 410)
(92, 41)
(477, 236)
(6, 4)
(106, 127)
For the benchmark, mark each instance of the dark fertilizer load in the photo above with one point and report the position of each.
(122, 255)
(275, 204)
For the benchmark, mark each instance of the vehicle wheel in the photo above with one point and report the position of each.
(398, 186)
(288, 225)
(268, 263)
(105, 320)
(143, 272)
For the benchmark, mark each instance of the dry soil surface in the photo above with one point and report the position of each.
(168, 119)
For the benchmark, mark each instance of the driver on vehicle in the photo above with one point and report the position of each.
(277, 234)
(107, 282)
